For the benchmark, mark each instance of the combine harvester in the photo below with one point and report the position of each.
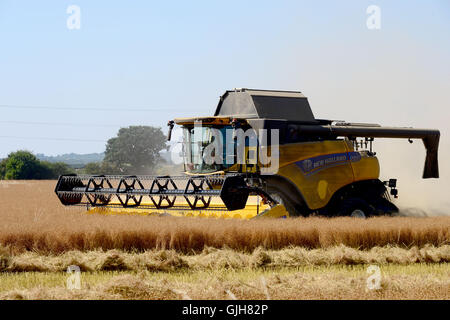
(271, 158)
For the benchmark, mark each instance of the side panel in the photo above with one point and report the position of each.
(367, 168)
(293, 152)
(319, 169)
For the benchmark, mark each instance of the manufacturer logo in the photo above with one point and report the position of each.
(316, 164)
(307, 165)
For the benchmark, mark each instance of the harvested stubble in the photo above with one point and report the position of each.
(32, 219)
(324, 284)
(220, 259)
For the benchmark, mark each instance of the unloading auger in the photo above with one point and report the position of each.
(322, 166)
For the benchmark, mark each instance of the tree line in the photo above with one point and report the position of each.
(135, 150)
(23, 164)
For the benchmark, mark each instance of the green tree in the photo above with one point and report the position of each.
(135, 150)
(57, 168)
(99, 168)
(24, 165)
(2, 169)
(93, 168)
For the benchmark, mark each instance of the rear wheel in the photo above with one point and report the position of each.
(355, 207)
(384, 207)
(357, 213)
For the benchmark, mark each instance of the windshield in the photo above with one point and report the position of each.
(196, 141)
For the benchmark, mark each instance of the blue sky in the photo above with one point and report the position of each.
(145, 62)
(176, 58)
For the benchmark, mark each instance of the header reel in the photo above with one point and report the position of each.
(157, 192)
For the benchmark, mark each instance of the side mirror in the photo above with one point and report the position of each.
(170, 124)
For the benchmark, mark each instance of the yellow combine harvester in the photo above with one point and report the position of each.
(262, 154)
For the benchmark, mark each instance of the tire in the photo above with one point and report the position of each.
(385, 207)
(281, 198)
(355, 207)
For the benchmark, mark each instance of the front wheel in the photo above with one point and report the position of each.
(281, 198)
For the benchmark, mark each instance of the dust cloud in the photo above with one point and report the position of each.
(404, 161)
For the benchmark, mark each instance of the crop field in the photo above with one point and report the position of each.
(146, 257)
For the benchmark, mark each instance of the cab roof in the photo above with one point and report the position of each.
(265, 104)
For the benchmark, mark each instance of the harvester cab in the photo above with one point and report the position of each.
(262, 154)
